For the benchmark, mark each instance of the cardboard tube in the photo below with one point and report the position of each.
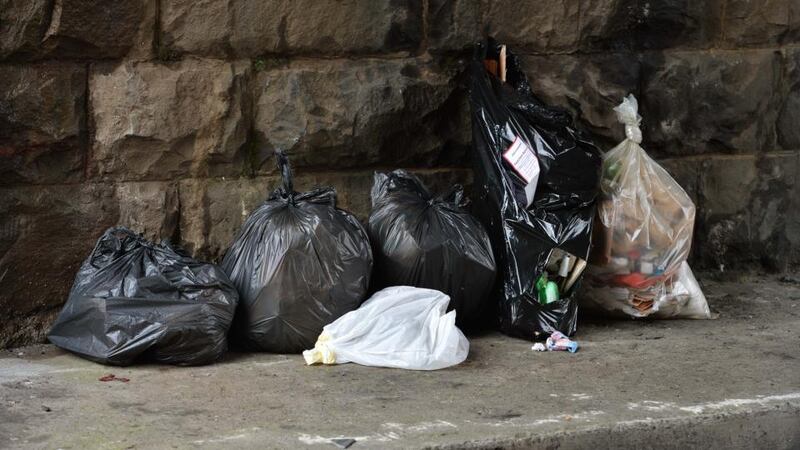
(502, 64)
(576, 272)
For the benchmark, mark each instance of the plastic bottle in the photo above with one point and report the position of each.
(547, 290)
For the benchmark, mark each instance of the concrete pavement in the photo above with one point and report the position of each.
(733, 382)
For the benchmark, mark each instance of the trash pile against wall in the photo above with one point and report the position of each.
(299, 263)
(536, 177)
(430, 242)
(134, 300)
(295, 276)
(643, 237)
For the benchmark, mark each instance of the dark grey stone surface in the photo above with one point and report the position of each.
(534, 26)
(644, 24)
(356, 114)
(255, 28)
(767, 22)
(42, 123)
(453, 25)
(76, 29)
(699, 102)
(789, 115)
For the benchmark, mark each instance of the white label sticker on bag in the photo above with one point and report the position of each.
(523, 160)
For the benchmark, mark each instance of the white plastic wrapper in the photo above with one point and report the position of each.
(400, 326)
(641, 242)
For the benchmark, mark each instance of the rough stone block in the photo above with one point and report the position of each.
(453, 25)
(41, 123)
(213, 210)
(727, 182)
(534, 26)
(648, 24)
(770, 212)
(346, 114)
(210, 219)
(22, 25)
(253, 28)
(744, 213)
(750, 23)
(694, 102)
(76, 28)
(158, 122)
(590, 86)
(793, 33)
(789, 116)
(150, 208)
(101, 28)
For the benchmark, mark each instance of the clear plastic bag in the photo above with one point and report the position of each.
(401, 326)
(643, 236)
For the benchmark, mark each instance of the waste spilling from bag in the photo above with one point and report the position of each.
(643, 236)
(136, 300)
(401, 326)
(430, 242)
(299, 263)
(536, 181)
(556, 342)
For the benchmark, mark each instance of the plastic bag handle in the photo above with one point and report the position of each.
(282, 161)
(121, 243)
(400, 179)
(118, 246)
(455, 196)
(628, 115)
(397, 180)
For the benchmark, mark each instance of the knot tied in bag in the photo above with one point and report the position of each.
(627, 114)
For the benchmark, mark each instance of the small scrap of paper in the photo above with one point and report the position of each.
(112, 377)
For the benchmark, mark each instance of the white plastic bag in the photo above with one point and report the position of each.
(641, 242)
(401, 326)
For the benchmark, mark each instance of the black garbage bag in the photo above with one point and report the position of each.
(507, 121)
(136, 300)
(430, 242)
(299, 264)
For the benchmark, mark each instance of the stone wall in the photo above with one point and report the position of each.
(162, 114)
